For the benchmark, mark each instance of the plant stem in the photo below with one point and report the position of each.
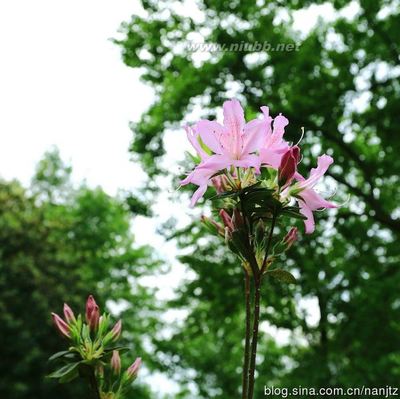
(248, 230)
(254, 340)
(256, 312)
(94, 385)
(271, 232)
(246, 356)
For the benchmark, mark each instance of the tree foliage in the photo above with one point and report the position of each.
(60, 243)
(342, 86)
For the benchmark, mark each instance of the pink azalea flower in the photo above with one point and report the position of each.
(311, 200)
(234, 143)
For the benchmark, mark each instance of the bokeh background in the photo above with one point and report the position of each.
(93, 96)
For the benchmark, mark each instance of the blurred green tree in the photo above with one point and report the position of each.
(59, 244)
(342, 85)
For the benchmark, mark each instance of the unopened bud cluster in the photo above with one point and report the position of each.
(92, 350)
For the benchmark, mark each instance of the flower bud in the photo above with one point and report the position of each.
(226, 220)
(221, 184)
(90, 305)
(116, 331)
(288, 166)
(69, 314)
(237, 219)
(134, 369)
(94, 318)
(290, 237)
(212, 225)
(92, 313)
(61, 325)
(116, 362)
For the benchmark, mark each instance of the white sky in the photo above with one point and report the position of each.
(62, 82)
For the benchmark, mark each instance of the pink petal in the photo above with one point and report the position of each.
(309, 222)
(193, 138)
(256, 132)
(316, 173)
(315, 201)
(210, 132)
(248, 161)
(199, 176)
(265, 111)
(216, 163)
(198, 194)
(299, 177)
(270, 157)
(233, 117)
(280, 122)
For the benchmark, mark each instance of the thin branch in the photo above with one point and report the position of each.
(380, 214)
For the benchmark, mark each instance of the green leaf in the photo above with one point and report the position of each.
(228, 194)
(239, 242)
(58, 355)
(293, 211)
(259, 202)
(64, 371)
(121, 349)
(282, 275)
(74, 373)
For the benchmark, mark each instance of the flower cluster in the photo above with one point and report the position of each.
(254, 172)
(92, 352)
(236, 155)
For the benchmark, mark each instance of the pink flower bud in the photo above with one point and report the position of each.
(92, 313)
(237, 219)
(116, 331)
(226, 220)
(221, 184)
(116, 362)
(61, 325)
(94, 318)
(212, 225)
(90, 305)
(291, 237)
(69, 314)
(134, 368)
(288, 166)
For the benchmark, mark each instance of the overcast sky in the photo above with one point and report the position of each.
(62, 82)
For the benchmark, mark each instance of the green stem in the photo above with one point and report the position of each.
(271, 232)
(246, 357)
(254, 340)
(94, 385)
(248, 229)
(256, 311)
